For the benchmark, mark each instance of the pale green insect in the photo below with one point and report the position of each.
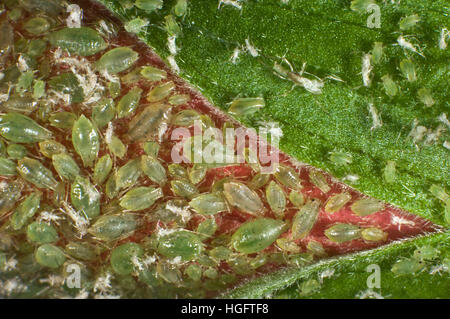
(160, 92)
(256, 235)
(116, 146)
(425, 97)
(366, 206)
(84, 197)
(220, 253)
(183, 188)
(24, 82)
(207, 228)
(336, 202)
(136, 25)
(25, 211)
(439, 192)
(316, 248)
(117, 60)
(151, 148)
(181, 243)
(36, 49)
(16, 151)
(389, 85)
(140, 198)
(149, 5)
(111, 189)
(9, 195)
(305, 219)
(83, 41)
(171, 26)
(426, 253)
(37, 25)
(153, 169)
(128, 174)
(179, 99)
(242, 197)
(373, 234)
(288, 245)
(361, 5)
(407, 266)
(49, 148)
(177, 171)
(7, 167)
(409, 22)
(83, 251)
(21, 104)
(33, 171)
(197, 173)
(114, 227)
(389, 172)
(132, 77)
(149, 123)
(19, 128)
(309, 287)
(288, 177)
(64, 120)
(319, 180)
(114, 89)
(211, 273)
(341, 233)
(240, 265)
(186, 118)
(180, 8)
(38, 89)
(122, 258)
(129, 102)
(246, 106)
(103, 112)
(208, 204)
(297, 199)
(41, 233)
(341, 158)
(65, 166)
(194, 272)
(153, 74)
(408, 69)
(218, 185)
(259, 180)
(50, 256)
(276, 198)
(102, 169)
(68, 83)
(377, 52)
(85, 140)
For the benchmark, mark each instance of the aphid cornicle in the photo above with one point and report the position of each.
(305, 219)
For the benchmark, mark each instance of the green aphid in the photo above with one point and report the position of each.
(276, 198)
(102, 169)
(259, 180)
(34, 172)
(65, 166)
(373, 234)
(208, 204)
(179, 99)
(407, 266)
(197, 173)
(114, 227)
(309, 287)
(140, 198)
(153, 74)
(37, 25)
(160, 91)
(129, 102)
(19, 128)
(211, 273)
(84, 197)
(15, 14)
(183, 188)
(147, 124)
(426, 253)
(7, 167)
(409, 22)
(297, 198)
(136, 25)
(182, 243)
(389, 85)
(389, 172)
(36, 49)
(63, 120)
(305, 219)
(67, 83)
(207, 228)
(16, 151)
(132, 77)
(128, 174)
(319, 180)
(177, 171)
(49, 148)
(25, 82)
(180, 8)
(114, 89)
(316, 248)
(246, 106)
(377, 52)
(42, 233)
(103, 112)
(85, 140)
(111, 189)
(171, 26)
(239, 195)
(361, 5)
(116, 146)
(50, 256)
(9, 195)
(38, 89)
(439, 192)
(117, 60)
(366, 206)
(153, 169)
(83, 41)
(25, 211)
(149, 5)
(220, 253)
(408, 69)
(425, 97)
(288, 177)
(341, 233)
(194, 272)
(20, 104)
(256, 235)
(287, 245)
(123, 258)
(186, 118)
(82, 251)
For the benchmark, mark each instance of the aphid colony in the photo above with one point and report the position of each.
(86, 176)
